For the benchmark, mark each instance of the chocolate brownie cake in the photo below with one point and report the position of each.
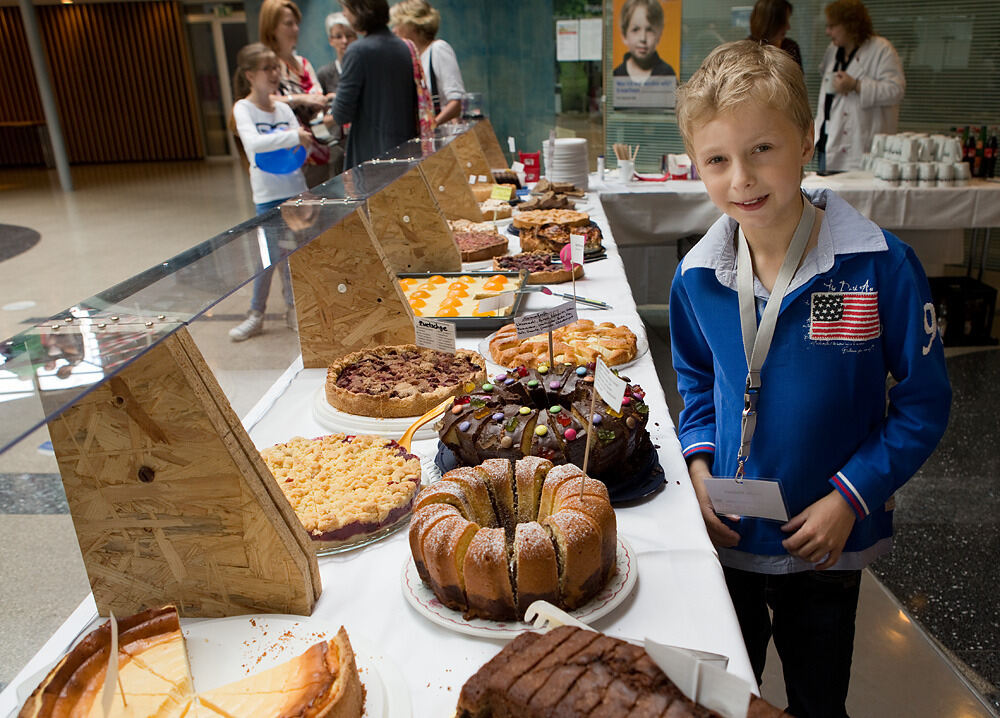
(575, 673)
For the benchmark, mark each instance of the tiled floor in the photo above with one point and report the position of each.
(125, 218)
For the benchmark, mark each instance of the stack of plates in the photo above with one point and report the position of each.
(568, 161)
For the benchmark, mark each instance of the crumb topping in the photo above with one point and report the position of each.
(337, 480)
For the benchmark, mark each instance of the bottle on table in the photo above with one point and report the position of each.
(969, 146)
(977, 160)
(990, 155)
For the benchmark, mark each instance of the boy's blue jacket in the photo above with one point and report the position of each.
(858, 310)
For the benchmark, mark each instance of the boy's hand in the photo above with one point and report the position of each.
(720, 534)
(306, 139)
(820, 530)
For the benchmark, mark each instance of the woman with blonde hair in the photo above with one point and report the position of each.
(418, 22)
(862, 87)
(300, 87)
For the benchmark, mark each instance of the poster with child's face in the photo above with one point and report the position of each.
(646, 52)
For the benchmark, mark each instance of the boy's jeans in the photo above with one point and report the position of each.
(813, 629)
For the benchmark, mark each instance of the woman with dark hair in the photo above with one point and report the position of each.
(770, 20)
(377, 93)
(862, 87)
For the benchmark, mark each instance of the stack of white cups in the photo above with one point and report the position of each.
(914, 159)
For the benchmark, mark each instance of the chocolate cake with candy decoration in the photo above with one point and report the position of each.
(543, 412)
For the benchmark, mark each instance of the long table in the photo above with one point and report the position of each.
(648, 216)
(680, 597)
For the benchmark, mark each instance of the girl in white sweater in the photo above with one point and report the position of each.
(267, 129)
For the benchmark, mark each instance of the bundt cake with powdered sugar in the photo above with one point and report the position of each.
(491, 539)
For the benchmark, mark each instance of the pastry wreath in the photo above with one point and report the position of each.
(578, 343)
(397, 381)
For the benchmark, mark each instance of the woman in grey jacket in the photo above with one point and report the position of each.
(377, 94)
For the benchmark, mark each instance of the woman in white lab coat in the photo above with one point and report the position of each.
(861, 90)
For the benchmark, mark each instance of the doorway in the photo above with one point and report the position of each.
(214, 40)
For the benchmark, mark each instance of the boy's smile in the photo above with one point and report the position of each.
(751, 161)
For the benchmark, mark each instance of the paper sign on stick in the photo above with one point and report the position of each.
(540, 322)
(517, 166)
(576, 242)
(434, 334)
(502, 191)
(510, 144)
(484, 179)
(111, 674)
(610, 387)
(498, 301)
(472, 179)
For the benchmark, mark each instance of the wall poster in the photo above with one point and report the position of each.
(646, 53)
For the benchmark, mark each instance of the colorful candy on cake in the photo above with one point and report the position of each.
(543, 412)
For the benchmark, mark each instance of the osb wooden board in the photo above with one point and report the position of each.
(346, 295)
(408, 224)
(167, 506)
(450, 185)
(489, 144)
(470, 156)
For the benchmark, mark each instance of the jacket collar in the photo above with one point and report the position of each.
(844, 231)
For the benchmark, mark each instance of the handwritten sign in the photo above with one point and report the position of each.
(472, 179)
(434, 334)
(531, 325)
(576, 243)
(609, 386)
(517, 166)
(510, 144)
(484, 179)
(502, 192)
(498, 301)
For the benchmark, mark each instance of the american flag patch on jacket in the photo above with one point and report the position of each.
(844, 316)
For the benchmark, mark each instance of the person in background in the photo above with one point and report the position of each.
(418, 22)
(265, 125)
(376, 95)
(340, 34)
(862, 87)
(300, 87)
(770, 20)
(641, 26)
(795, 306)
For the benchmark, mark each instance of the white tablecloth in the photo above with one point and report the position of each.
(680, 597)
(666, 211)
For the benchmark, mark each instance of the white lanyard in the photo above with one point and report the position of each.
(757, 340)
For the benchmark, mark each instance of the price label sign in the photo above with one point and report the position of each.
(517, 166)
(472, 179)
(433, 334)
(576, 242)
(531, 325)
(610, 387)
(484, 179)
(498, 301)
(510, 144)
(502, 191)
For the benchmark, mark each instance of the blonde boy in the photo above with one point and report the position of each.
(850, 306)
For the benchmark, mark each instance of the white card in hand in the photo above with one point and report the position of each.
(757, 498)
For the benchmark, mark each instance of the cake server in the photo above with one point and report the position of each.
(406, 440)
(596, 304)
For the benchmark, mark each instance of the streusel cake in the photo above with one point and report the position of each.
(345, 487)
